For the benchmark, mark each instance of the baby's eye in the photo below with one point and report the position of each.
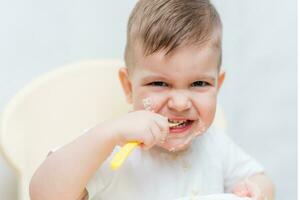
(200, 84)
(158, 84)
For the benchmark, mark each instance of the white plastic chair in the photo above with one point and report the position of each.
(55, 108)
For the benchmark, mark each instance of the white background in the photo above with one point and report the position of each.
(259, 47)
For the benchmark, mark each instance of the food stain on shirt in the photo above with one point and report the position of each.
(186, 166)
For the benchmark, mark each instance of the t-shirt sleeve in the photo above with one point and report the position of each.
(237, 165)
(101, 179)
(95, 185)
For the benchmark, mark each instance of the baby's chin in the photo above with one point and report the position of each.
(176, 144)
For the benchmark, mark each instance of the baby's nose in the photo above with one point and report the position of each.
(179, 102)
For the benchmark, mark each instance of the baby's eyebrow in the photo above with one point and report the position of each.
(152, 77)
(207, 78)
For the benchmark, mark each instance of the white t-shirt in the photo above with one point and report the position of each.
(211, 165)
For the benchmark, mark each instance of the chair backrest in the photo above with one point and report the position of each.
(55, 108)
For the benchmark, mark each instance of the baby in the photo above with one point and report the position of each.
(172, 78)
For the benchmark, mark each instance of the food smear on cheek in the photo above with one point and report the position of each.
(201, 128)
(148, 104)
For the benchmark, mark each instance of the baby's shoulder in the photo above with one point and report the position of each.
(214, 142)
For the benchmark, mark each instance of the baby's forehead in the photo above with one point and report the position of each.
(185, 55)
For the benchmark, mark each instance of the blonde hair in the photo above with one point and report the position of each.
(157, 25)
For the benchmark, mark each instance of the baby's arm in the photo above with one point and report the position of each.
(258, 186)
(66, 172)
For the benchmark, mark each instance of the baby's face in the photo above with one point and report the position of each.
(182, 86)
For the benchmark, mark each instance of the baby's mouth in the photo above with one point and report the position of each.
(179, 124)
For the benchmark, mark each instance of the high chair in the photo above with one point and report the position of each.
(55, 108)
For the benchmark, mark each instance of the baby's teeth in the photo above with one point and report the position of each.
(173, 124)
(178, 125)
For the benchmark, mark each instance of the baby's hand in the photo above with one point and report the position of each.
(143, 126)
(247, 188)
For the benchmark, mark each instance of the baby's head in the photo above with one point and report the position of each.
(173, 59)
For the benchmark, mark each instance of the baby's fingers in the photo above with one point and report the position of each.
(254, 191)
(241, 190)
(163, 124)
(248, 189)
(159, 134)
(150, 137)
(242, 193)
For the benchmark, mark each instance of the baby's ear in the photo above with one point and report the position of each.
(126, 84)
(221, 78)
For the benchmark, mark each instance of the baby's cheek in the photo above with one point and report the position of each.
(206, 111)
(152, 102)
(205, 106)
(210, 114)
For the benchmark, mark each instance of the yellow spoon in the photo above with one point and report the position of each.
(121, 156)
